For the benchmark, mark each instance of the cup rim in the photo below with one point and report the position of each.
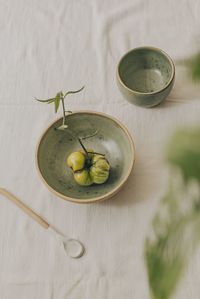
(156, 50)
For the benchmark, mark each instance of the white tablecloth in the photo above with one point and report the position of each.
(52, 45)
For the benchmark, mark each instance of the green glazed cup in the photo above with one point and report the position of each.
(145, 76)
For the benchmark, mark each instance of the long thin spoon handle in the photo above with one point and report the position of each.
(24, 208)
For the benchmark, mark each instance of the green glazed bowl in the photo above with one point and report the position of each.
(55, 146)
(145, 76)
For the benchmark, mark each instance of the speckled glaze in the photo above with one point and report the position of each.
(112, 139)
(145, 76)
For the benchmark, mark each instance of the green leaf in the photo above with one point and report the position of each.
(184, 152)
(58, 98)
(175, 237)
(194, 66)
(52, 101)
(46, 101)
(176, 225)
(73, 91)
(57, 101)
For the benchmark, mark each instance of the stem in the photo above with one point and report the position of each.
(83, 147)
(63, 107)
(89, 136)
(95, 153)
(68, 111)
(62, 98)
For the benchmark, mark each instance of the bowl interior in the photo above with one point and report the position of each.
(55, 146)
(145, 70)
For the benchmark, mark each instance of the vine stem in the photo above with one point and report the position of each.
(83, 147)
(80, 140)
(63, 106)
(95, 153)
(89, 136)
(85, 150)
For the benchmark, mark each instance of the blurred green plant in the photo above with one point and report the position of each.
(176, 226)
(184, 152)
(193, 65)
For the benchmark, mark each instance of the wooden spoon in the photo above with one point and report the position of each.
(72, 247)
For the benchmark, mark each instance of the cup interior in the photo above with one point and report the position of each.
(146, 70)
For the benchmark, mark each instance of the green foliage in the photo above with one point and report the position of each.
(59, 98)
(184, 152)
(194, 66)
(176, 225)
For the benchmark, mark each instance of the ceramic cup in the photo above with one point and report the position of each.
(145, 76)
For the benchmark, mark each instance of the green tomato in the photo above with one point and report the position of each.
(96, 157)
(88, 170)
(99, 170)
(83, 177)
(76, 161)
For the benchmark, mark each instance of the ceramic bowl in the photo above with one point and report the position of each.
(54, 147)
(145, 76)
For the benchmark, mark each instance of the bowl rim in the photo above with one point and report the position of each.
(99, 198)
(146, 48)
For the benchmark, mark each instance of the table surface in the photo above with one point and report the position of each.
(52, 45)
